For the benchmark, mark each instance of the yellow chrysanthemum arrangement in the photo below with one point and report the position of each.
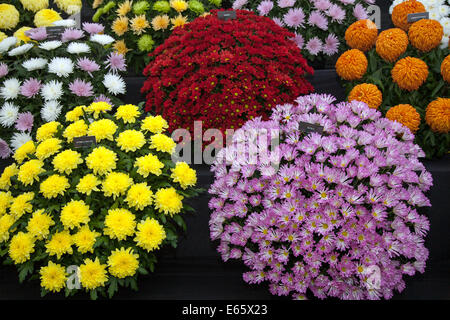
(93, 213)
(406, 75)
(140, 26)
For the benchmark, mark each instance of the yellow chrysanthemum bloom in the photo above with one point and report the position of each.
(116, 184)
(401, 11)
(160, 22)
(406, 114)
(77, 129)
(6, 221)
(102, 129)
(3, 36)
(21, 36)
(98, 107)
(46, 17)
(425, 34)
(39, 224)
(96, 4)
(34, 5)
(53, 186)
(120, 25)
(47, 130)
(445, 69)
(85, 239)
(53, 277)
(150, 234)
(351, 65)
(21, 247)
(48, 148)
(367, 93)
(179, 5)
(101, 160)
(21, 205)
(93, 274)
(75, 114)
(5, 178)
(130, 140)
(9, 16)
(139, 24)
(128, 113)
(60, 243)
(139, 196)
(409, 73)
(5, 201)
(148, 164)
(361, 35)
(154, 124)
(123, 263)
(162, 143)
(437, 115)
(67, 161)
(120, 47)
(29, 171)
(391, 44)
(119, 224)
(69, 6)
(124, 8)
(167, 200)
(184, 175)
(179, 21)
(24, 151)
(75, 213)
(87, 184)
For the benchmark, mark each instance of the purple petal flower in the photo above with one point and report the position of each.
(93, 28)
(5, 150)
(103, 98)
(331, 45)
(314, 46)
(286, 3)
(360, 12)
(317, 19)
(336, 13)
(299, 40)
(72, 34)
(322, 5)
(265, 7)
(88, 65)
(30, 87)
(37, 34)
(294, 18)
(81, 88)
(116, 62)
(3, 69)
(25, 121)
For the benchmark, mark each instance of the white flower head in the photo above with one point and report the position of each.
(19, 138)
(10, 89)
(62, 67)
(51, 111)
(20, 50)
(68, 23)
(52, 90)
(50, 45)
(8, 114)
(443, 10)
(7, 43)
(114, 83)
(102, 39)
(34, 64)
(78, 47)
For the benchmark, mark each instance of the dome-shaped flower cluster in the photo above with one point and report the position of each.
(103, 208)
(335, 214)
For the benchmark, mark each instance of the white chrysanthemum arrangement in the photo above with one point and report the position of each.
(39, 79)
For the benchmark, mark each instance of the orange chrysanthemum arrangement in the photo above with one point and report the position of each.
(403, 73)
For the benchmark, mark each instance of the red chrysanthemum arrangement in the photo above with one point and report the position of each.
(224, 72)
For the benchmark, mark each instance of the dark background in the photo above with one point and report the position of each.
(194, 270)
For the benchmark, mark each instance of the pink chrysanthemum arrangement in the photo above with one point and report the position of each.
(336, 212)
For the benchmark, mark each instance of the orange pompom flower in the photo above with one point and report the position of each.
(437, 115)
(391, 44)
(425, 34)
(361, 35)
(445, 69)
(401, 11)
(351, 65)
(368, 93)
(409, 73)
(406, 114)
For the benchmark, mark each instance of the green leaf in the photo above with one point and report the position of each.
(93, 294)
(112, 287)
(142, 270)
(26, 268)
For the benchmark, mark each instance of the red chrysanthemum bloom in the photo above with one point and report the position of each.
(224, 72)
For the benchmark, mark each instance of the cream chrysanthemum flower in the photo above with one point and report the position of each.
(160, 22)
(9, 16)
(139, 24)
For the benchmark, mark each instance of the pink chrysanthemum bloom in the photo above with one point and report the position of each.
(239, 4)
(278, 21)
(93, 28)
(103, 98)
(81, 88)
(314, 46)
(299, 41)
(72, 34)
(265, 7)
(5, 150)
(348, 1)
(322, 5)
(38, 34)
(360, 12)
(333, 213)
(331, 45)
(294, 18)
(286, 3)
(317, 19)
(3, 69)
(87, 65)
(116, 62)
(30, 87)
(336, 13)
(25, 121)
